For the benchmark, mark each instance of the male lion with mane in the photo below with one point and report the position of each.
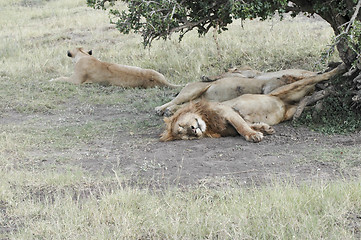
(231, 84)
(249, 115)
(88, 69)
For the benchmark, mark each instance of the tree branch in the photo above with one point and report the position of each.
(354, 16)
(309, 100)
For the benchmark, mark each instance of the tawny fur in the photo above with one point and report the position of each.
(88, 69)
(216, 123)
(251, 115)
(231, 85)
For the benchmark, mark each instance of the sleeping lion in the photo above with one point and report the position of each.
(231, 84)
(88, 69)
(249, 115)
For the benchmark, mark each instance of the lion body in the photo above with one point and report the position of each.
(249, 115)
(247, 72)
(231, 85)
(88, 69)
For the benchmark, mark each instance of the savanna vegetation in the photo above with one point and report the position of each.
(160, 19)
(61, 145)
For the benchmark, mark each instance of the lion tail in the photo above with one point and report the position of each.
(162, 80)
(170, 85)
(297, 90)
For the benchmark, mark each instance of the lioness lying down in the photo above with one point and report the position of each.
(247, 72)
(90, 70)
(249, 115)
(232, 84)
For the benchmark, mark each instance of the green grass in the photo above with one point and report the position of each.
(342, 158)
(45, 194)
(51, 207)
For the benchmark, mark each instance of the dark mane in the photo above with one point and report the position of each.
(216, 124)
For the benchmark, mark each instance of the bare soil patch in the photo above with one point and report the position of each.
(290, 154)
(297, 154)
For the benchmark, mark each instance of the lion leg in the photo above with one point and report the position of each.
(190, 92)
(262, 127)
(160, 110)
(169, 111)
(211, 78)
(61, 79)
(242, 127)
(245, 130)
(295, 91)
(72, 79)
(291, 110)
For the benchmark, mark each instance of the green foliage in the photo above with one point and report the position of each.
(355, 34)
(320, 7)
(337, 115)
(353, 40)
(254, 9)
(159, 19)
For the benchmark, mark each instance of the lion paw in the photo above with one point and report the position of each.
(254, 137)
(168, 112)
(204, 79)
(159, 111)
(263, 127)
(269, 130)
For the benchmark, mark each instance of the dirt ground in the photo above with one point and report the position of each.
(290, 154)
(297, 154)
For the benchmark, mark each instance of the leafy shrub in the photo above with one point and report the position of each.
(338, 114)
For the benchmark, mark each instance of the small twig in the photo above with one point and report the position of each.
(215, 34)
(351, 22)
(354, 16)
(171, 16)
(350, 72)
(188, 24)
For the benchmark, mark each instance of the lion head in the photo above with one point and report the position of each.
(78, 52)
(197, 120)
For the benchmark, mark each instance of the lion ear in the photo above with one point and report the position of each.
(167, 134)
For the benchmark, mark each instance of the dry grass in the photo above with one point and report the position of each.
(44, 196)
(50, 208)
